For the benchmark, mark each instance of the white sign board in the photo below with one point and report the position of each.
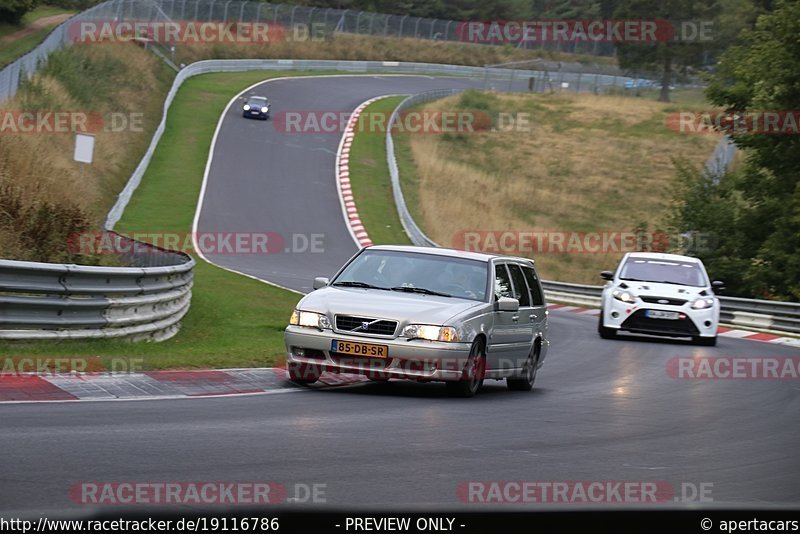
(84, 148)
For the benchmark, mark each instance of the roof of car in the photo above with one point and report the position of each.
(663, 256)
(451, 252)
(254, 97)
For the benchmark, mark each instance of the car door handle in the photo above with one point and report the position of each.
(515, 318)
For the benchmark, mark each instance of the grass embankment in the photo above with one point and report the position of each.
(16, 40)
(117, 92)
(586, 164)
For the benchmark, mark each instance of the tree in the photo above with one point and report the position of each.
(685, 47)
(12, 11)
(762, 208)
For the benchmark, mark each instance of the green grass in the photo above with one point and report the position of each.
(370, 180)
(233, 321)
(13, 50)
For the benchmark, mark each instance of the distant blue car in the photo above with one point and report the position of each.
(639, 83)
(256, 107)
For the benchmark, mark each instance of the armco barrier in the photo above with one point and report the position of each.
(145, 301)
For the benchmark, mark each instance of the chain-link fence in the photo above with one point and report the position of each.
(318, 22)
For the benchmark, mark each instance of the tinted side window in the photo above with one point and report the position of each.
(520, 288)
(533, 283)
(502, 282)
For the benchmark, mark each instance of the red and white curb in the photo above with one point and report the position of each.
(346, 198)
(152, 385)
(722, 331)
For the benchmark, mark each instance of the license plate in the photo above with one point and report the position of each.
(360, 349)
(658, 314)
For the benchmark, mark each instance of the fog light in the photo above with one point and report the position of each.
(300, 353)
(707, 323)
(614, 314)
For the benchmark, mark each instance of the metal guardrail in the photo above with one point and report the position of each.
(413, 231)
(145, 301)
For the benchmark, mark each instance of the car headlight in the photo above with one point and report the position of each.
(431, 333)
(264, 109)
(624, 296)
(246, 107)
(309, 319)
(702, 303)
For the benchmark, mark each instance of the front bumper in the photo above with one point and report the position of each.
(631, 318)
(251, 114)
(414, 359)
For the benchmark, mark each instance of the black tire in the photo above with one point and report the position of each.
(605, 333)
(473, 373)
(706, 341)
(304, 373)
(525, 382)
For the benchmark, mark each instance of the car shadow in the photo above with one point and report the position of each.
(429, 390)
(644, 338)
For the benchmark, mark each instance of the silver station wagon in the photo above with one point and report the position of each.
(426, 314)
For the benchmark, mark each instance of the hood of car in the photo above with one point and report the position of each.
(673, 291)
(380, 304)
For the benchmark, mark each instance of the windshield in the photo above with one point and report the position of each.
(257, 101)
(668, 272)
(415, 272)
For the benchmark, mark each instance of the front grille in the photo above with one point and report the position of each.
(347, 323)
(637, 322)
(671, 302)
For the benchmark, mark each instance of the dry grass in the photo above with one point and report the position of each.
(587, 164)
(374, 48)
(37, 171)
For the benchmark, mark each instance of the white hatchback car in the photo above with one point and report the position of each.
(660, 294)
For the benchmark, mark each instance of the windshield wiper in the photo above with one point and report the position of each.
(421, 290)
(363, 285)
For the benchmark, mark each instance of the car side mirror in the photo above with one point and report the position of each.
(320, 281)
(718, 285)
(607, 275)
(507, 304)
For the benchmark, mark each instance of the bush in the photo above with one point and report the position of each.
(12, 11)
